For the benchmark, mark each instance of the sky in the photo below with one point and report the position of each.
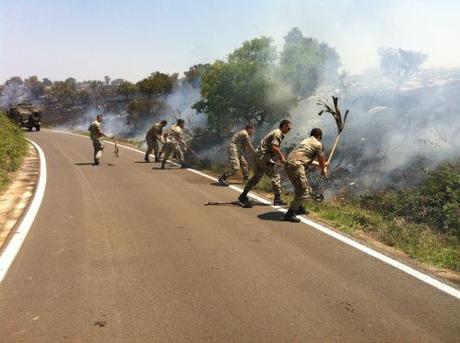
(131, 39)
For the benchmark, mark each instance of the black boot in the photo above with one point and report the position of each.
(146, 158)
(290, 217)
(223, 180)
(163, 164)
(278, 201)
(243, 197)
(157, 159)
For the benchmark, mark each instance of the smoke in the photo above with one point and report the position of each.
(390, 132)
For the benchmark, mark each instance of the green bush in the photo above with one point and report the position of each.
(434, 202)
(13, 147)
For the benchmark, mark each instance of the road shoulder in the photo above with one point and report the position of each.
(15, 199)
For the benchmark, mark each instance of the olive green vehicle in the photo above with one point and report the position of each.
(26, 115)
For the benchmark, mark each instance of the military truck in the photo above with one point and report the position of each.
(26, 115)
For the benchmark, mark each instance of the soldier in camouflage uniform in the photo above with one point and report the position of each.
(174, 143)
(153, 138)
(297, 164)
(236, 149)
(96, 135)
(264, 162)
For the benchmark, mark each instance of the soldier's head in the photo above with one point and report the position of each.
(317, 133)
(250, 129)
(99, 118)
(181, 123)
(163, 123)
(285, 126)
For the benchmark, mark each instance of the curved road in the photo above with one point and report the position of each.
(124, 253)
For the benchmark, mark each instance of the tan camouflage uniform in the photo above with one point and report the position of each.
(297, 164)
(173, 145)
(96, 136)
(152, 138)
(236, 149)
(264, 164)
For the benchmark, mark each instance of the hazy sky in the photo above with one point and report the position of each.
(130, 39)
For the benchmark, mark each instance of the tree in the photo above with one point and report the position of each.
(47, 82)
(157, 83)
(139, 110)
(399, 64)
(305, 62)
(107, 79)
(193, 75)
(35, 87)
(64, 91)
(126, 88)
(243, 90)
(117, 82)
(95, 86)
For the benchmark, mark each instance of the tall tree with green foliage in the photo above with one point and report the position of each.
(243, 89)
(157, 83)
(194, 74)
(305, 62)
(127, 89)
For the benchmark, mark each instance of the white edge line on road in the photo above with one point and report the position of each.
(344, 239)
(14, 245)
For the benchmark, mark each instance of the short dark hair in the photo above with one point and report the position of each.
(250, 126)
(316, 132)
(284, 122)
(180, 121)
(99, 115)
(164, 122)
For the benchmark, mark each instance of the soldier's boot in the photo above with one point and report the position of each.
(183, 165)
(96, 162)
(146, 158)
(290, 217)
(223, 180)
(243, 197)
(163, 164)
(278, 201)
(157, 159)
(302, 210)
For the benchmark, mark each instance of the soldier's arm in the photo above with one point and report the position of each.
(249, 146)
(321, 160)
(277, 151)
(160, 138)
(100, 132)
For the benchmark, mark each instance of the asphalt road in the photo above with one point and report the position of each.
(124, 253)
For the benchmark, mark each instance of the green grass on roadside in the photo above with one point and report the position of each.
(416, 240)
(13, 148)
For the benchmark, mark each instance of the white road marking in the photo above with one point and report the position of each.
(14, 245)
(331, 233)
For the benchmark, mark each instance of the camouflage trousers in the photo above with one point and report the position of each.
(297, 175)
(261, 167)
(173, 149)
(236, 162)
(98, 146)
(152, 144)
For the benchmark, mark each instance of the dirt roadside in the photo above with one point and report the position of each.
(16, 197)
